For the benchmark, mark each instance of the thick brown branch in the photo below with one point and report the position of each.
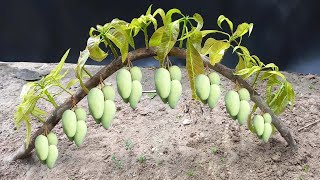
(116, 64)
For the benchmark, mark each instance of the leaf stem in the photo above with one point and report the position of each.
(51, 99)
(145, 32)
(66, 90)
(86, 71)
(182, 33)
(114, 52)
(255, 80)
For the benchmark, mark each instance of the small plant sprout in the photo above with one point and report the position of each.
(128, 145)
(141, 159)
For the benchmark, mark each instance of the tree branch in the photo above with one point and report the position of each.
(141, 53)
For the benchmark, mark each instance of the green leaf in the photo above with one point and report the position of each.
(168, 19)
(96, 53)
(194, 65)
(56, 71)
(163, 39)
(249, 120)
(83, 57)
(120, 40)
(242, 29)
(247, 72)
(198, 18)
(161, 13)
(241, 64)
(272, 66)
(149, 10)
(222, 18)
(71, 83)
(26, 88)
(215, 49)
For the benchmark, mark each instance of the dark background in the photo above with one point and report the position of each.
(285, 32)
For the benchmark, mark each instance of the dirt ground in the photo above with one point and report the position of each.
(152, 142)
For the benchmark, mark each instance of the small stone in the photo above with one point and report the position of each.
(187, 122)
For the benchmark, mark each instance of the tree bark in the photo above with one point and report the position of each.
(137, 54)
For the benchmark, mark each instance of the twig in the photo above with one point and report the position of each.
(151, 91)
(308, 125)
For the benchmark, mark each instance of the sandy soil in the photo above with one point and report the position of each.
(151, 142)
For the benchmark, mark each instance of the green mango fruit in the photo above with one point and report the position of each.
(244, 112)
(95, 102)
(175, 93)
(267, 118)
(175, 73)
(108, 93)
(42, 147)
(267, 132)
(214, 78)
(136, 73)
(69, 123)
(244, 94)
(258, 124)
(214, 95)
(202, 84)
(124, 83)
(136, 93)
(232, 102)
(108, 114)
(52, 156)
(52, 139)
(163, 82)
(81, 114)
(81, 133)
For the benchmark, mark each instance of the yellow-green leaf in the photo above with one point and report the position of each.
(96, 53)
(194, 65)
(242, 29)
(215, 49)
(222, 18)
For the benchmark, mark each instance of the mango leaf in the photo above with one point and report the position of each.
(280, 101)
(83, 57)
(272, 66)
(215, 49)
(163, 39)
(56, 71)
(249, 120)
(168, 19)
(26, 88)
(149, 10)
(222, 18)
(194, 65)
(96, 53)
(198, 18)
(247, 72)
(242, 29)
(71, 83)
(124, 30)
(291, 94)
(241, 64)
(120, 40)
(161, 13)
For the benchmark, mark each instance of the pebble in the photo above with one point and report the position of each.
(187, 122)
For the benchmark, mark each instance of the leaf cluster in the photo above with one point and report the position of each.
(32, 92)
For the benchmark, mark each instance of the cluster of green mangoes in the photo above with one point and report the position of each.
(168, 85)
(46, 149)
(129, 85)
(208, 89)
(237, 104)
(101, 105)
(262, 126)
(74, 125)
